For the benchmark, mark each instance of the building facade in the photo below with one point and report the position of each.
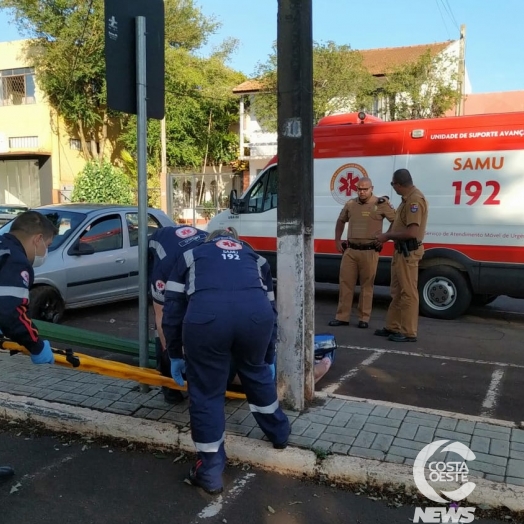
(39, 159)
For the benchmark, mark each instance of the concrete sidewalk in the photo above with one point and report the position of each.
(348, 440)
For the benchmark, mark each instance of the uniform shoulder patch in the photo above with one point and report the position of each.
(413, 207)
(25, 278)
(228, 244)
(382, 200)
(185, 232)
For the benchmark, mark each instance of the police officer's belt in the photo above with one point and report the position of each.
(362, 247)
(412, 244)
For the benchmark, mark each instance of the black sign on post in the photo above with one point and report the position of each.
(120, 52)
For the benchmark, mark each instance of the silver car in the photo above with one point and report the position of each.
(93, 259)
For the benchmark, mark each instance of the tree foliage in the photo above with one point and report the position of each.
(67, 49)
(200, 112)
(426, 88)
(102, 183)
(340, 83)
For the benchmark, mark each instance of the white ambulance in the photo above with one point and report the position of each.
(471, 170)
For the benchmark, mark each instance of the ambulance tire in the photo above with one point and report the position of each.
(46, 304)
(444, 292)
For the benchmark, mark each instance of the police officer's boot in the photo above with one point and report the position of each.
(6, 472)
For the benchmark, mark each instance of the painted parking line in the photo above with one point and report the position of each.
(492, 395)
(493, 392)
(351, 373)
(215, 508)
(437, 357)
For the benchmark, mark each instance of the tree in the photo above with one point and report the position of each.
(340, 83)
(102, 183)
(426, 88)
(200, 112)
(67, 49)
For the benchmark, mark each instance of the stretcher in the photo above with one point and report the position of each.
(81, 362)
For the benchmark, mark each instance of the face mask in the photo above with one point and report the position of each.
(39, 259)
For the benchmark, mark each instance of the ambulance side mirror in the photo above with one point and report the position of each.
(233, 202)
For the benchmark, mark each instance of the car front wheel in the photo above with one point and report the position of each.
(46, 304)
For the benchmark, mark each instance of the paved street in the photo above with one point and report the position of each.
(81, 481)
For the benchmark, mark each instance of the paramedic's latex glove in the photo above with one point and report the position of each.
(273, 370)
(45, 356)
(178, 366)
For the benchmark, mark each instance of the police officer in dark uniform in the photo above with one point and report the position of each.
(221, 292)
(365, 215)
(407, 231)
(166, 244)
(23, 248)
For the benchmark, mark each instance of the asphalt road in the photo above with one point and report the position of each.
(473, 365)
(73, 480)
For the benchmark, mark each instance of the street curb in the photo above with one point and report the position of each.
(294, 461)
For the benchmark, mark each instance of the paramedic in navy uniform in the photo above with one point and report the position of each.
(23, 248)
(219, 305)
(166, 244)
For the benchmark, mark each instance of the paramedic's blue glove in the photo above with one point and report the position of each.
(273, 370)
(178, 366)
(45, 356)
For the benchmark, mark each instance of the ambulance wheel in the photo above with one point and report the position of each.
(444, 292)
(46, 304)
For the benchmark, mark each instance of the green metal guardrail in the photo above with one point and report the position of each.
(89, 339)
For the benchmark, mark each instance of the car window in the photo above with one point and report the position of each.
(271, 194)
(104, 234)
(132, 226)
(65, 221)
(256, 197)
(264, 194)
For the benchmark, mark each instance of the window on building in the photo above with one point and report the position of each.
(23, 142)
(76, 145)
(17, 86)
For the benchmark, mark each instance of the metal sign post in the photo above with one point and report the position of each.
(134, 70)
(141, 125)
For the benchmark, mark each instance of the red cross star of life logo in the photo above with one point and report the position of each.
(184, 232)
(229, 244)
(344, 182)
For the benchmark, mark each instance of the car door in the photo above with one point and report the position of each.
(103, 274)
(132, 229)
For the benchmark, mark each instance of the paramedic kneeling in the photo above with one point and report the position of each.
(221, 292)
(23, 248)
(407, 231)
(166, 244)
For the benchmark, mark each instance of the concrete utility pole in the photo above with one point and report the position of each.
(163, 171)
(459, 111)
(295, 270)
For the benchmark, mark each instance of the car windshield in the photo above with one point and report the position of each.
(65, 221)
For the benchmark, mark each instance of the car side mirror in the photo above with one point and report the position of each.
(81, 248)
